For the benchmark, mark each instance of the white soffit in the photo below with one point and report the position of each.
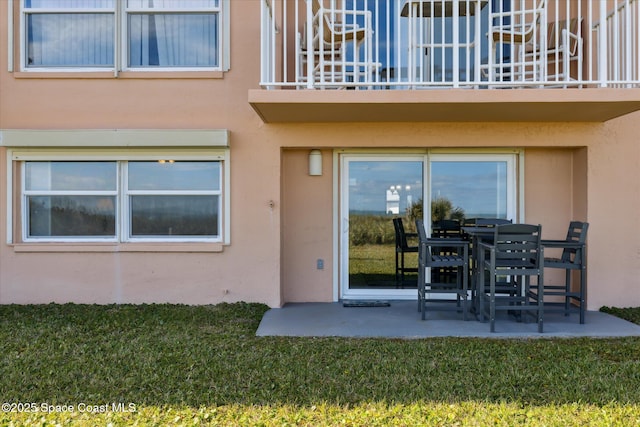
(115, 138)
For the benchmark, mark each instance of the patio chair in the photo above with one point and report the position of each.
(509, 262)
(517, 28)
(573, 259)
(402, 248)
(436, 253)
(331, 35)
(475, 239)
(445, 229)
(563, 48)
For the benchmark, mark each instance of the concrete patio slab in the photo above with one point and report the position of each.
(400, 319)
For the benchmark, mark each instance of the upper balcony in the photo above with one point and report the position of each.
(448, 60)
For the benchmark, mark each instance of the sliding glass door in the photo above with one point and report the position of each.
(375, 189)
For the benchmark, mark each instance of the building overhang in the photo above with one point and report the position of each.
(444, 105)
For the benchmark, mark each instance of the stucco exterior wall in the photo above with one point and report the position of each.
(281, 218)
(614, 207)
(246, 270)
(307, 228)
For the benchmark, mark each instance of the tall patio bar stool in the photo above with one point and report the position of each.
(573, 260)
(435, 253)
(449, 229)
(483, 231)
(402, 248)
(510, 261)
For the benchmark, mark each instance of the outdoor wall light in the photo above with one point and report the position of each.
(315, 163)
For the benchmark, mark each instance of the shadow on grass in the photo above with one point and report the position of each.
(209, 355)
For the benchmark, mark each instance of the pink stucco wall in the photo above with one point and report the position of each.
(281, 218)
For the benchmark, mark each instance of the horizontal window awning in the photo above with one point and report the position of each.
(444, 105)
(114, 138)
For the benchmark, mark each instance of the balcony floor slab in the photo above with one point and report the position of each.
(444, 105)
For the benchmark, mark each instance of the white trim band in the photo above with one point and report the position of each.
(114, 138)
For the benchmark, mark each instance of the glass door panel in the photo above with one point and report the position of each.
(466, 187)
(376, 190)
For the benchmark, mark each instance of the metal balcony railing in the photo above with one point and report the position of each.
(479, 44)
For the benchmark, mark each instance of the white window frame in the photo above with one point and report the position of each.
(22, 155)
(126, 217)
(512, 179)
(124, 25)
(120, 13)
(29, 193)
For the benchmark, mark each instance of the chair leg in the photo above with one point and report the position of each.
(397, 270)
(402, 270)
(420, 284)
(465, 289)
(492, 303)
(527, 288)
(541, 301)
(480, 295)
(424, 299)
(582, 296)
(567, 290)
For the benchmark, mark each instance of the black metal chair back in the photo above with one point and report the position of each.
(577, 233)
(517, 246)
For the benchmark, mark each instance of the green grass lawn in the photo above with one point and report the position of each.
(203, 365)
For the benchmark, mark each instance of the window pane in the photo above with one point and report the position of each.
(69, 4)
(70, 40)
(172, 4)
(469, 189)
(71, 176)
(166, 175)
(173, 40)
(174, 216)
(61, 216)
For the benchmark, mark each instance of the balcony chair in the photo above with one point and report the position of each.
(330, 38)
(402, 248)
(437, 253)
(524, 27)
(564, 48)
(573, 259)
(509, 262)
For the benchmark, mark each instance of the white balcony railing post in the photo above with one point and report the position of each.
(309, 39)
(265, 58)
(456, 43)
(627, 40)
(602, 45)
